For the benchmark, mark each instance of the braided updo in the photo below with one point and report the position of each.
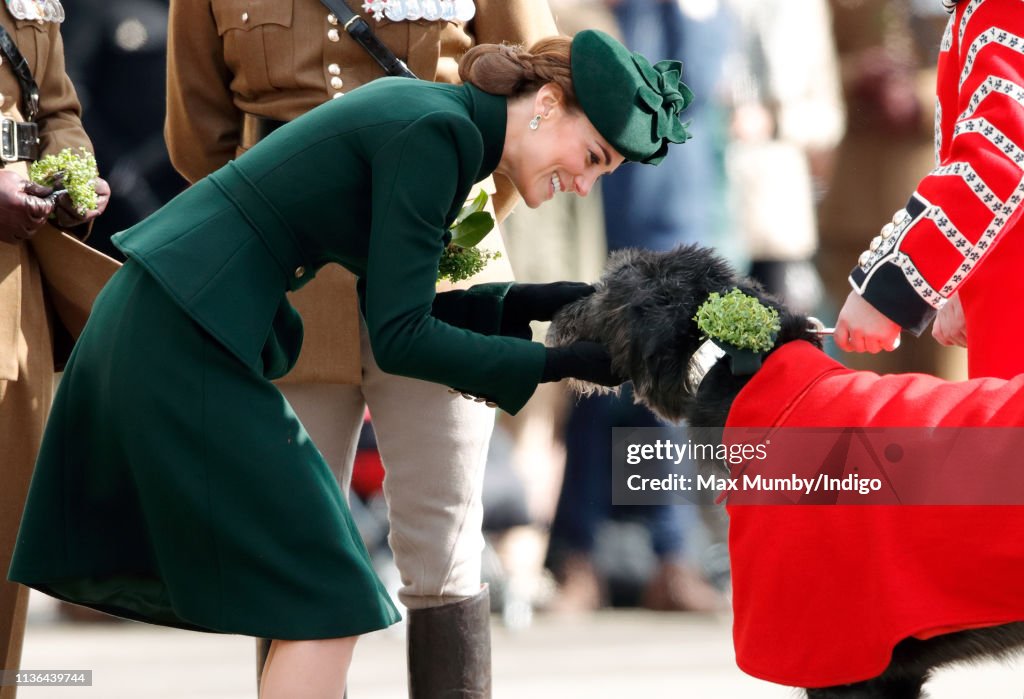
(512, 71)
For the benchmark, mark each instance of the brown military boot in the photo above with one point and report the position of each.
(449, 650)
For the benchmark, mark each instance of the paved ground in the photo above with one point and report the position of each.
(632, 654)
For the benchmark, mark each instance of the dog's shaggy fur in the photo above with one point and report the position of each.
(643, 312)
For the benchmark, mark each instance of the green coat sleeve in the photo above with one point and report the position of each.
(478, 308)
(410, 214)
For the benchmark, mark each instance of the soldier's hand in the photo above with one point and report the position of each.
(862, 328)
(950, 327)
(23, 207)
(67, 216)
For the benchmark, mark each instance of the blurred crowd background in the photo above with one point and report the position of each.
(812, 124)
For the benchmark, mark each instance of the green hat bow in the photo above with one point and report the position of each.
(634, 105)
(665, 96)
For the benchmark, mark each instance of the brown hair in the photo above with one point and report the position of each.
(512, 71)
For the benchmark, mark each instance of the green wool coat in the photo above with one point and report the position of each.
(175, 485)
(370, 181)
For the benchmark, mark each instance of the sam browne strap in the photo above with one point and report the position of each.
(359, 30)
(19, 140)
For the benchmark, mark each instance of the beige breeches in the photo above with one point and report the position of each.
(434, 445)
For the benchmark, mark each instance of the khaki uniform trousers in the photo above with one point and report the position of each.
(24, 404)
(433, 444)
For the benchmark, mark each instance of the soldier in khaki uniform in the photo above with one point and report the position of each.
(234, 69)
(29, 249)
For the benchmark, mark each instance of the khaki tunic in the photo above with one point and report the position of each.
(60, 127)
(26, 362)
(279, 59)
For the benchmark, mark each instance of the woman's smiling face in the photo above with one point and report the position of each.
(565, 153)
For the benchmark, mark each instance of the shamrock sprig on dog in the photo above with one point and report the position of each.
(739, 320)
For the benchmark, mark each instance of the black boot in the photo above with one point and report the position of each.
(450, 650)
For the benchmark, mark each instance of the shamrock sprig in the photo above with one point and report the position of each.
(71, 171)
(461, 258)
(739, 320)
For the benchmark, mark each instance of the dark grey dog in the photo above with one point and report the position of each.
(643, 312)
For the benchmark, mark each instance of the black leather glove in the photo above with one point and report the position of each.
(584, 360)
(23, 207)
(526, 302)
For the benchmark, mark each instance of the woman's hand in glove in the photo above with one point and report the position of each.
(526, 302)
(584, 360)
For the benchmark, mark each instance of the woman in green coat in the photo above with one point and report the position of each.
(175, 485)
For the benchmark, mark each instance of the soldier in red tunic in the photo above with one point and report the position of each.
(957, 247)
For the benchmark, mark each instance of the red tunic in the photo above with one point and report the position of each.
(822, 594)
(961, 230)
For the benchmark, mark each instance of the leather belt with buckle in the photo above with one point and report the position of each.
(19, 140)
(256, 128)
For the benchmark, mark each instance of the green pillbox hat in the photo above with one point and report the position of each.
(635, 106)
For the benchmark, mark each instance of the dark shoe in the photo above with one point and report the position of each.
(450, 650)
(676, 587)
(580, 588)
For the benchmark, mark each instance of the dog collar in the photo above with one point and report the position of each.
(702, 360)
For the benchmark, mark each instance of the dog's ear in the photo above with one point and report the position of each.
(657, 367)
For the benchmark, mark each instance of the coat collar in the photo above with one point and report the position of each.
(490, 114)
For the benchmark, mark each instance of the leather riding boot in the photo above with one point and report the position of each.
(450, 650)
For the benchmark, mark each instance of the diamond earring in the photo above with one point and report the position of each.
(535, 123)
